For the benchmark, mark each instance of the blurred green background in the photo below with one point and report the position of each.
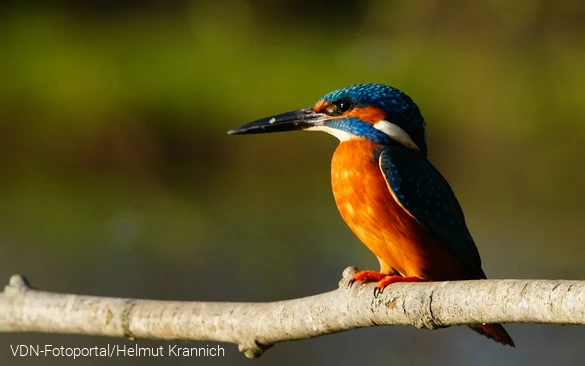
(117, 177)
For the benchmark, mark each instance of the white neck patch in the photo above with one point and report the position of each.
(395, 133)
(341, 135)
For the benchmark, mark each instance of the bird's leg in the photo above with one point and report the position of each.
(382, 279)
(367, 276)
(373, 276)
(385, 277)
(381, 285)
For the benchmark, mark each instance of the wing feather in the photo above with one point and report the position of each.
(423, 192)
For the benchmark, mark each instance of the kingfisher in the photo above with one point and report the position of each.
(387, 191)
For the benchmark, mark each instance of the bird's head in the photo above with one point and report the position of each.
(376, 112)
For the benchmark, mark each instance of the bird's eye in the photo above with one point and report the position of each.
(341, 106)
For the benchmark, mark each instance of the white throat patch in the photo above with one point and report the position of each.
(341, 135)
(395, 133)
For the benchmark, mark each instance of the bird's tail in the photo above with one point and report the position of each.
(495, 332)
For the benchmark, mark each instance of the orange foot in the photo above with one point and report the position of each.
(382, 280)
(381, 285)
(367, 276)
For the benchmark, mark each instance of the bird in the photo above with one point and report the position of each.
(387, 191)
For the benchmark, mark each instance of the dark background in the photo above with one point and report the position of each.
(117, 177)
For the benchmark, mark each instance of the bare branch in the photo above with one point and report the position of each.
(257, 326)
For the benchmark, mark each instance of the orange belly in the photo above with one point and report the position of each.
(363, 198)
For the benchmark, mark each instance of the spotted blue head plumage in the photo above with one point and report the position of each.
(399, 108)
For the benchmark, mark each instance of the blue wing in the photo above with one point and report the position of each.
(423, 192)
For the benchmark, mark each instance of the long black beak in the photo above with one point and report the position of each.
(290, 121)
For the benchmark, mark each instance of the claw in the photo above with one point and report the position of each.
(377, 291)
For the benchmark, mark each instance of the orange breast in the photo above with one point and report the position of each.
(364, 200)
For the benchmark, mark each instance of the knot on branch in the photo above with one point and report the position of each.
(253, 349)
(423, 316)
(17, 284)
(347, 275)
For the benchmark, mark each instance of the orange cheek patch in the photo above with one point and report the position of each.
(368, 114)
(320, 106)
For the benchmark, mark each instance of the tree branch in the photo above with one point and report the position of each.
(257, 326)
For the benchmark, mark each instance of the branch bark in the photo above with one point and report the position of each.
(257, 326)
